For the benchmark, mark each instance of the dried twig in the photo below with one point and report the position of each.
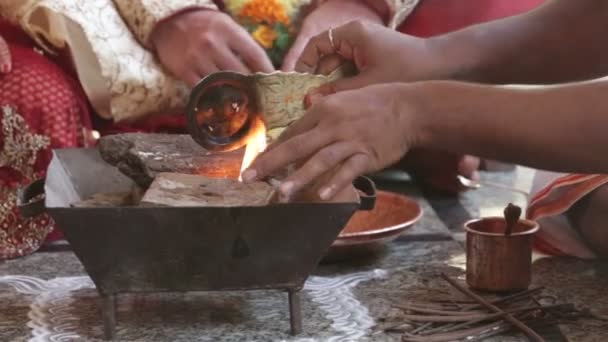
(508, 317)
(415, 308)
(451, 336)
(510, 298)
(422, 327)
(495, 316)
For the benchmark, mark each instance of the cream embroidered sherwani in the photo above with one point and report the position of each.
(109, 42)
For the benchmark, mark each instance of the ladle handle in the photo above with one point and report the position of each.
(368, 187)
(27, 205)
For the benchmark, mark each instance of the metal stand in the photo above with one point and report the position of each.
(108, 312)
(295, 312)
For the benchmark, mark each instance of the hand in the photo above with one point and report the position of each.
(194, 44)
(5, 57)
(381, 55)
(351, 133)
(332, 13)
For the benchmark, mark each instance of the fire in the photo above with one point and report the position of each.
(256, 144)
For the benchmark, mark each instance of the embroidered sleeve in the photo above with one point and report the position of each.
(143, 15)
(12, 10)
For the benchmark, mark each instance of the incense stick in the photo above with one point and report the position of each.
(508, 317)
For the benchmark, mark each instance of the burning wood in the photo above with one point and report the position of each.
(181, 190)
(142, 156)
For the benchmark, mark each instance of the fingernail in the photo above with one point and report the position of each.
(249, 175)
(326, 192)
(286, 189)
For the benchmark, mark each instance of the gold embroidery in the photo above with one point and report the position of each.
(21, 146)
(20, 150)
(19, 236)
(123, 80)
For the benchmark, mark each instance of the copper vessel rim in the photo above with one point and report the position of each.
(533, 227)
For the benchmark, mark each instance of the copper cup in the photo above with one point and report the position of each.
(497, 262)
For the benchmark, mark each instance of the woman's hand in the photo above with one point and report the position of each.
(332, 13)
(352, 132)
(196, 43)
(381, 55)
(6, 64)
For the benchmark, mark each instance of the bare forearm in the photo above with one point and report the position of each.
(561, 41)
(561, 128)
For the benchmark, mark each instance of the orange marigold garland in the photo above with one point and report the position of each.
(269, 22)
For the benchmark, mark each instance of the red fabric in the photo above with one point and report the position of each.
(53, 105)
(433, 17)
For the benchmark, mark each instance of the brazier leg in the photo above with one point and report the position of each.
(108, 312)
(295, 312)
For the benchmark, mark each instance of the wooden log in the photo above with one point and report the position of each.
(112, 199)
(183, 190)
(141, 156)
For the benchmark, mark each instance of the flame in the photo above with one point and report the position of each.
(255, 144)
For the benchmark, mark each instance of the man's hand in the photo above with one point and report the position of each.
(381, 55)
(194, 44)
(330, 14)
(352, 132)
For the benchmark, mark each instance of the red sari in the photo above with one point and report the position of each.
(42, 108)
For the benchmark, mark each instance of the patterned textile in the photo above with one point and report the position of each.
(553, 194)
(109, 43)
(41, 109)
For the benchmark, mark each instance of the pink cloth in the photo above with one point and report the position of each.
(553, 194)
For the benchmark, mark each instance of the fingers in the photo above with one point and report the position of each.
(468, 166)
(203, 67)
(251, 52)
(307, 123)
(191, 78)
(225, 59)
(321, 45)
(355, 166)
(5, 57)
(328, 64)
(290, 59)
(323, 161)
(297, 148)
(359, 81)
(220, 58)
